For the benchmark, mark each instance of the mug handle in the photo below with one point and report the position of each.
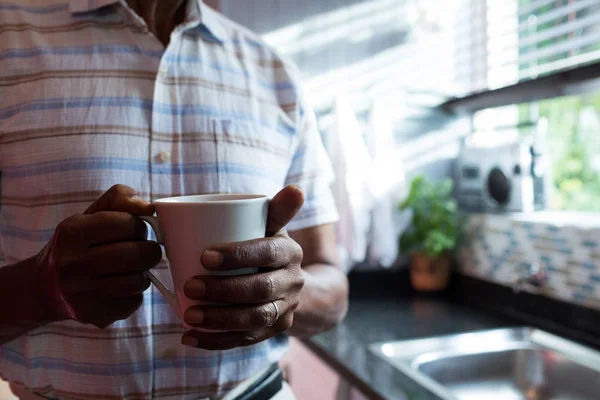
(167, 294)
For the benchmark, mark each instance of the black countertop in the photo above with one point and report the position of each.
(382, 308)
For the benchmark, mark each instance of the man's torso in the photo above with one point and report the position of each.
(92, 99)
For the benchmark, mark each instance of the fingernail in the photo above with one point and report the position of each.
(194, 316)
(212, 259)
(139, 199)
(187, 340)
(195, 288)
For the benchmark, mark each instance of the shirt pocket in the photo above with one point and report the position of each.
(251, 157)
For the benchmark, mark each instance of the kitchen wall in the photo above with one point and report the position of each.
(500, 248)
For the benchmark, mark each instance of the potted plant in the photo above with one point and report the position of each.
(433, 234)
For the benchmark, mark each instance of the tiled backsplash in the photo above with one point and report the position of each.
(498, 248)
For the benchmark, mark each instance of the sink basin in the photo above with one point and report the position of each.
(506, 364)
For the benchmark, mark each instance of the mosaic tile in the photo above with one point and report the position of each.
(498, 247)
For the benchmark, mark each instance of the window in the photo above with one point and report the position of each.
(574, 145)
(572, 130)
(502, 42)
(541, 38)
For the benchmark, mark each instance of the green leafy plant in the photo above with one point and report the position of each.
(434, 228)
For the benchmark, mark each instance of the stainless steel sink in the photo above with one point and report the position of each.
(506, 364)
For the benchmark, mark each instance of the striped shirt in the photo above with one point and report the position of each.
(90, 98)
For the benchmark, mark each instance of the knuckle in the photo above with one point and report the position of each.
(67, 229)
(117, 189)
(294, 302)
(106, 215)
(240, 253)
(298, 282)
(299, 253)
(296, 252)
(263, 317)
(264, 288)
(75, 218)
(114, 219)
(112, 198)
(271, 252)
(287, 321)
(120, 216)
(226, 289)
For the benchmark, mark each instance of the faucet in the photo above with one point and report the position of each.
(533, 275)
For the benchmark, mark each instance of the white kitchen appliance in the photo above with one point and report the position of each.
(508, 177)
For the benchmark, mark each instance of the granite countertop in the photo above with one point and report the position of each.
(382, 308)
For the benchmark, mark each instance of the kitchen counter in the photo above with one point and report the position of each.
(383, 308)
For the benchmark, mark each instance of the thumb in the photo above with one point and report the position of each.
(121, 198)
(283, 207)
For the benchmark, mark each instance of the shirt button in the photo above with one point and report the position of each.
(164, 156)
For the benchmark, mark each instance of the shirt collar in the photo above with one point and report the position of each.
(203, 19)
(198, 16)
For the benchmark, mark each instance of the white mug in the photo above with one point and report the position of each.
(188, 225)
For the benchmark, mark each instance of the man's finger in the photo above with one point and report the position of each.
(120, 286)
(240, 318)
(230, 340)
(283, 207)
(106, 227)
(272, 252)
(121, 198)
(105, 288)
(247, 289)
(123, 258)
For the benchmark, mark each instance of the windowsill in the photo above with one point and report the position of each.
(560, 219)
(578, 79)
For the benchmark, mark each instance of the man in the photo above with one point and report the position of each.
(151, 98)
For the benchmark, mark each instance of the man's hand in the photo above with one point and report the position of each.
(92, 270)
(252, 317)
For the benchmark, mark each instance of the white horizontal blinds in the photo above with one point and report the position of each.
(557, 35)
(436, 48)
(470, 40)
(501, 42)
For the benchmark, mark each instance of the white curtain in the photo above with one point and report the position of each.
(352, 163)
(388, 183)
(369, 184)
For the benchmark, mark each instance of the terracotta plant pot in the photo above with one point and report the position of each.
(429, 274)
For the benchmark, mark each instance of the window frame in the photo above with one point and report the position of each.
(577, 80)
